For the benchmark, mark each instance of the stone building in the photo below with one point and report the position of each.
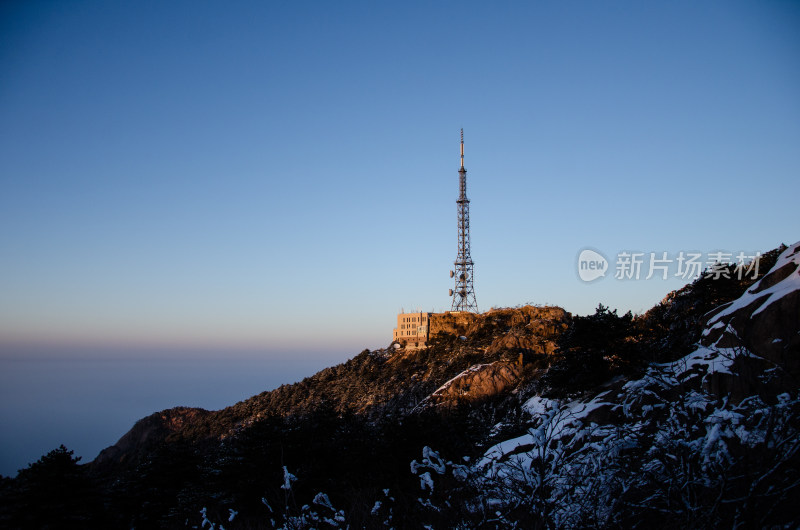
(412, 329)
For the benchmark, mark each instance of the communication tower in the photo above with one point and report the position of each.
(464, 292)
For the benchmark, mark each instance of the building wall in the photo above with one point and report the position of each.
(412, 328)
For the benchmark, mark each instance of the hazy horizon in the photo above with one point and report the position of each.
(87, 404)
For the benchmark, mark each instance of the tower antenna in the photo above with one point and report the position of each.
(462, 148)
(464, 292)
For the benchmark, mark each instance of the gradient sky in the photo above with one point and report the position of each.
(282, 176)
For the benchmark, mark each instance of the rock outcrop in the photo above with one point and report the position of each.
(478, 382)
(530, 329)
(765, 320)
(451, 323)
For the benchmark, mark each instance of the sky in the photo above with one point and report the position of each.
(279, 178)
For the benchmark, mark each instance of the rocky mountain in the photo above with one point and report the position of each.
(377, 385)
(684, 416)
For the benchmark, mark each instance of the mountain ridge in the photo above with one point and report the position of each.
(540, 416)
(396, 381)
(389, 381)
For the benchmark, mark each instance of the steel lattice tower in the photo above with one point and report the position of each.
(464, 292)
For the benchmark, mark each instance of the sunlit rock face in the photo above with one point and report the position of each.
(478, 382)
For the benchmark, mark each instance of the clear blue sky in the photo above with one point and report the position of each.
(282, 176)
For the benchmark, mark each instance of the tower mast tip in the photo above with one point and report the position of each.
(462, 148)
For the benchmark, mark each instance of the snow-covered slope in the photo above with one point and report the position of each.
(782, 280)
(765, 318)
(712, 439)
